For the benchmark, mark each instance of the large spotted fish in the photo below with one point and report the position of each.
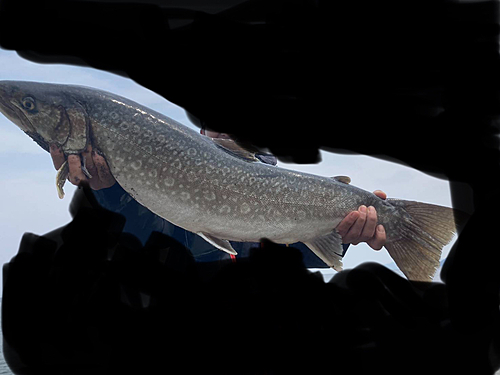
(199, 183)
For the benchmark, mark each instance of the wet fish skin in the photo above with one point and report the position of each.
(190, 181)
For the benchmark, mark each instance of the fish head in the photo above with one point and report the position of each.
(38, 109)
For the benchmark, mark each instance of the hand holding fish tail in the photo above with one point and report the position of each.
(361, 226)
(89, 166)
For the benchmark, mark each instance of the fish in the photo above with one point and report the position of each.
(217, 188)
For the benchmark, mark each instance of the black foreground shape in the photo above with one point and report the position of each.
(107, 305)
(413, 82)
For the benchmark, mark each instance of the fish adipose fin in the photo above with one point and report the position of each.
(329, 249)
(429, 229)
(223, 245)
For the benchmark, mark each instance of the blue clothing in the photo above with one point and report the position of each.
(141, 222)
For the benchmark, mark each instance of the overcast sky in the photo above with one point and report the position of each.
(28, 190)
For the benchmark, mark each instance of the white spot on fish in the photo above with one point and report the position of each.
(245, 208)
(136, 164)
(209, 195)
(191, 152)
(169, 181)
(225, 209)
(153, 173)
(177, 164)
(185, 195)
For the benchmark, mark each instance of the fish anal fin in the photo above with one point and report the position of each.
(223, 245)
(344, 179)
(329, 249)
(230, 146)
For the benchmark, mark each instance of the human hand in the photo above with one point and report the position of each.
(96, 165)
(361, 226)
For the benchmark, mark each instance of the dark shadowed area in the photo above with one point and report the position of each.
(416, 82)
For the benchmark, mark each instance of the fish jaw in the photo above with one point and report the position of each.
(39, 109)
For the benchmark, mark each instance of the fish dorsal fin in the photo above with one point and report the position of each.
(344, 179)
(329, 249)
(223, 245)
(242, 151)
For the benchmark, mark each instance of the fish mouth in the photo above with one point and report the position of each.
(14, 113)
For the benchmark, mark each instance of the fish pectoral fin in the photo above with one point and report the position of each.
(329, 249)
(344, 179)
(223, 245)
(230, 146)
(61, 176)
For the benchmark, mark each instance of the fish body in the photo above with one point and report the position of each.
(198, 183)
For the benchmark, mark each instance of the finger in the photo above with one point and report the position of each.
(379, 239)
(57, 156)
(105, 177)
(354, 232)
(347, 223)
(75, 169)
(380, 194)
(370, 225)
(91, 168)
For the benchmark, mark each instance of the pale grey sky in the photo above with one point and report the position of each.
(28, 191)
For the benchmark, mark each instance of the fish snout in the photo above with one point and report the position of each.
(10, 110)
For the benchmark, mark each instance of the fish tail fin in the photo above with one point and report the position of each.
(424, 234)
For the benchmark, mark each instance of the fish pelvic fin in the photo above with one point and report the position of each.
(329, 249)
(418, 252)
(223, 245)
(61, 176)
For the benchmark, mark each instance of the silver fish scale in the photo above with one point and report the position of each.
(190, 181)
(186, 179)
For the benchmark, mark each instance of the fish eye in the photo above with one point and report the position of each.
(28, 103)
